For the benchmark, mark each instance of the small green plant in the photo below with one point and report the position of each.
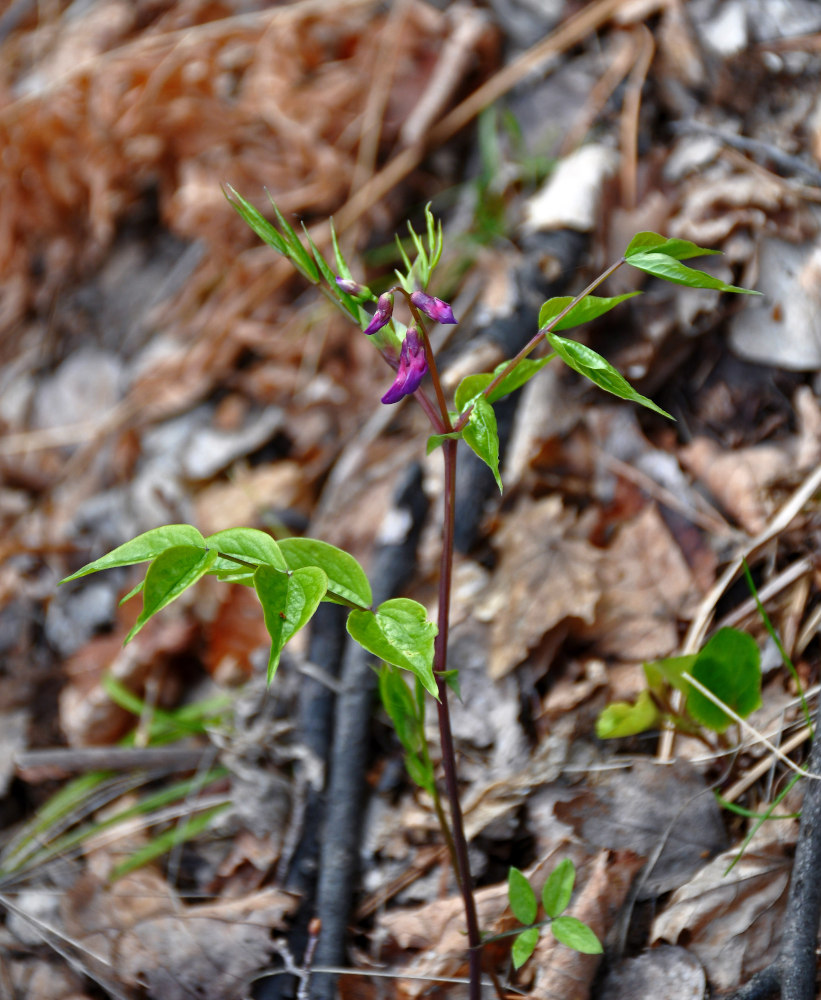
(728, 668)
(556, 895)
(293, 576)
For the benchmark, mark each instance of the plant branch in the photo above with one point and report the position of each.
(536, 339)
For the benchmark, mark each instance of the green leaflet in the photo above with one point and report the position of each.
(481, 435)
(559, 888)
(288, 603)
(590, 307)
(171, 573)
(521, 897)
(144, 547)
(346, 578)
(593, 366)
(399, 633)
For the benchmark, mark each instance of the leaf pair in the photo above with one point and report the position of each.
(556, 895)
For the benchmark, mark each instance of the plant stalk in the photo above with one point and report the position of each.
(445, 733)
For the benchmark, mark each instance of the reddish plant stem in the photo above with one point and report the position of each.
(445, 734)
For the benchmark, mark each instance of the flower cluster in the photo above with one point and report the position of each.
(413, 364)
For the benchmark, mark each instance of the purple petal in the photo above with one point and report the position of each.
(435, 308)
(412, 368)
(382, 316)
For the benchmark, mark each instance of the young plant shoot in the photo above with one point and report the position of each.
(293, 576)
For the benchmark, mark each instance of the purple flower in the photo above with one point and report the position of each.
(435, 308)
(352, 287)
(412, 368)
(384, 311)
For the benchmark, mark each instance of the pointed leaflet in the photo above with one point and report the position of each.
(398, 633)
(559, 888)
(481, 435)
(729, 666)
(521, 897)
(346, 578)
(596, 368)
(653, 243)
(171, 573)
(523, 946)
(669, 269)
(249, 545)
(146, 546)
(472, 385)
(288, 603)
(296, 252)
(343, 299)
(576, 935)
(435, 440)
(590, 307)
(256, 220)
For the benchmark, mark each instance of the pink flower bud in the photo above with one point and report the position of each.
(435, 308)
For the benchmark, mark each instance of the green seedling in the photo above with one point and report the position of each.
(293, 576)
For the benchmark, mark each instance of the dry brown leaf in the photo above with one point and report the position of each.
(547, 573)
(731, 921)
(646, 586)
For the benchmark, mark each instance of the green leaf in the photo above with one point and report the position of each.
(171, 573)
(297, 253)
(590, 307)
(559, 888)
(420, 772)
(137, 589)
(576, 935)
(288, 603)
(341, 264)
(523, 946)
(625, 719)
(399, 703)
(729, 666)
(346, 578)
(482, 437)
(521, 897)
(652, 242)
(596, 368)
(669, 671)
(250, 545)
(143, 548)
(662, 266)
(398, 633)
(472, 385)
(435, 440)
(256, 220)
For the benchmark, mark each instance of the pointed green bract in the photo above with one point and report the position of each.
(296, 252)
(288, 603)
(596, 368)
(346, 578)
(576, 935)
(654, 243)
(730, 667)
(662, 266)
(256, 220)
(172, 572)
(521, 897)
(482, 437)
(247, 544)
(590, 307)
(347, 302)
(559, 888)
(143, 548)
(524, 945)
(399, 633)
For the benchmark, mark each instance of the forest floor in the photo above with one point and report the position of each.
(158, 364)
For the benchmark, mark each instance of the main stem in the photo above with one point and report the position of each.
(445, 733)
